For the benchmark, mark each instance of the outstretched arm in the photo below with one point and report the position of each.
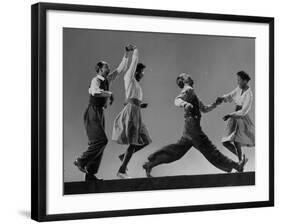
(207, 108)
(229, 97)
(131, 70)
(121, 68)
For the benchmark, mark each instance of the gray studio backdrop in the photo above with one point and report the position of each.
(212, 61)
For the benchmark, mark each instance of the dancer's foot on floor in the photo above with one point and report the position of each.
(123, 175)
(242, 164)
(147, 169)
(91, 177)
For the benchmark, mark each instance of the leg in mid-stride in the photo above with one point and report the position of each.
(133, 134)
(192, 134)
(173, 152)
(239, 133)
(90, 160)
(235, 148)
(126, 157)
(128, 127)
(240, 130)
(168, 154)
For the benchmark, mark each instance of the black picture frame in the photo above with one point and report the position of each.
(38, 109)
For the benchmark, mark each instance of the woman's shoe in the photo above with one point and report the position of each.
(123, 175)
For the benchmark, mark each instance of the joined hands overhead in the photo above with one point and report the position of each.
(130, 47)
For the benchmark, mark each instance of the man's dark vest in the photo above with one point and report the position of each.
(195, 111)
(100, 101)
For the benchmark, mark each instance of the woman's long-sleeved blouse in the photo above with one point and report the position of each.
(243, 100)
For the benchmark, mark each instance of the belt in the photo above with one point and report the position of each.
(133, 101)
(238, 107)
(189, 116)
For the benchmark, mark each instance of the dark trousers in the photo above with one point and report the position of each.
(97, 140)
(192, 136)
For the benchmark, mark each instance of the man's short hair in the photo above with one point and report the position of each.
(99, 65)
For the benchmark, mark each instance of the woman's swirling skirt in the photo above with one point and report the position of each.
(240, 130)
(128, 127)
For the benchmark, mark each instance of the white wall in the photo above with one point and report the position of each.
(15, 110)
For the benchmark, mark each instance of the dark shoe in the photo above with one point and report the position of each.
(91, 177)
(241, 164)
(80, 165)
(147, 169)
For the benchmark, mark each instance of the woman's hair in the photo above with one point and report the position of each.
(140, 66)
(180, 82)
(99, 66)
(243, 75)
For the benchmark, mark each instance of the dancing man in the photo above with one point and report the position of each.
(240, 130)
(90, 160)
(193, 134)
(128, 128)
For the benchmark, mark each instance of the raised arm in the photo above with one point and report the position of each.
(131, 70)
(121, 68)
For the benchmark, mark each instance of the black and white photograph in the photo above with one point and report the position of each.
(178, 109)
(142, 111)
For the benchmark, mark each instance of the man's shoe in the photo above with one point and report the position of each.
(80, 165)
(147, 169)
(91, 177)
(123, 175)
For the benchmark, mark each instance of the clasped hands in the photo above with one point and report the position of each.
(219, 100)
(130, 47)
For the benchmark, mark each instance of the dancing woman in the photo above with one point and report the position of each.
(193, 134)
(128, 128)
(240, 130)
(94, 121)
